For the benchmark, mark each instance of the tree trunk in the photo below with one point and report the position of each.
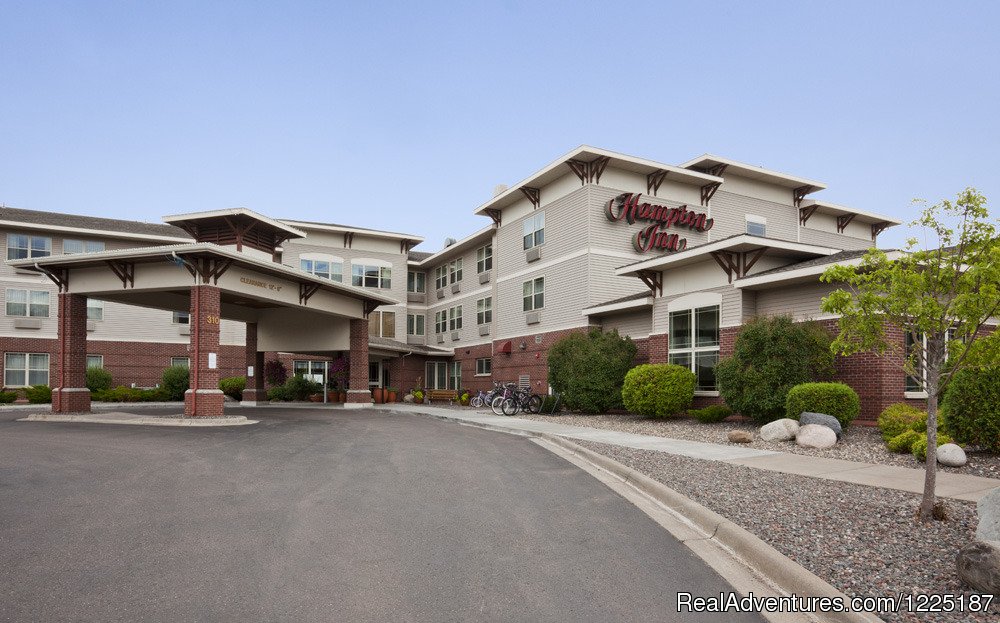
(934, 362)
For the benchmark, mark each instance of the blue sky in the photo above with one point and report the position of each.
(404, 116)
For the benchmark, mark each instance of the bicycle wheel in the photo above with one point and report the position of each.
(510, 406)
(533, 404)
(476, 402)
(497, 404)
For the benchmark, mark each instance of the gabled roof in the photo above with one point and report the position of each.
(806, 271)
(189, 219)
(80, 225)
(708, 161)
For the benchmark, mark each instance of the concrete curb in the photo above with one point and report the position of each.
(143, 420)
(781, 571)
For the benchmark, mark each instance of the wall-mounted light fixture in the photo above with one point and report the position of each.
(522, 345)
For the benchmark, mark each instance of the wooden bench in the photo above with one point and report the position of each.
(440, 394)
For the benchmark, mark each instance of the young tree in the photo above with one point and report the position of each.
(950, 285)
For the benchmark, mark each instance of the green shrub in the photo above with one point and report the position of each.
(275, 373)
(98, 379)
(770, 356)
(658, 390)
(176, 380)
(834, 399)
(300, 388)
(973, 406)
(38, 394)
(711, 414)
(548, 404)
(7, 397)
(233, 386)
(278, 393)
(900, 417)
(130, 394)
(903, 442)
(919, 447)
(589, 369)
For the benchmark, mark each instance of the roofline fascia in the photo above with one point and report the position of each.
(809, 271)
(99, 232)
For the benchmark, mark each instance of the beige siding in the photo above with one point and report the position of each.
(469, 333)
(564, 299)
(729, 211)
(635, 324)
(801, 301)
(833, 239)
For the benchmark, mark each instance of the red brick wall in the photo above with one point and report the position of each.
(533, 360)
(658, 345)
(467, 356)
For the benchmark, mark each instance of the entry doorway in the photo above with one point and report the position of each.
(378, 374)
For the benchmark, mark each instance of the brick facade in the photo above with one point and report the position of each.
(658, 347)
(358, 381)
(255, 391)
(532, 360)
(69, 389)
(204, 398)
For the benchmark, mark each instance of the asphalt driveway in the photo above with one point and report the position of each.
(313, 516)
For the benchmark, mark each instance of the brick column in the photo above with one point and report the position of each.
(357, 384)
(69, 386)
(204, 398)
(657, 345)
(255, 391)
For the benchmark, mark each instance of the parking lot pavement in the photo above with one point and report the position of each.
(320, 516)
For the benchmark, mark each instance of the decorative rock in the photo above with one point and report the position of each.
(408, 398)
(740, 436)
(951, 455)
(816, 436)
(822, 419)
(978, 565)
(779, 430)
(988, 509)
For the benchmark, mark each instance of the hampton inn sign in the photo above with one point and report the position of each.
(626, 207)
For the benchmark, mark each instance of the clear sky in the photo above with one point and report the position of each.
(404, 116)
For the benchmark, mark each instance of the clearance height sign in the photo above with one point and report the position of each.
(655, 237)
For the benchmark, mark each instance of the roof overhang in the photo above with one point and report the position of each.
(477, 239)
(800, 275)
(743, 242)
(833, 209)
(86, 231)
(584, 153)
(346, 229)
(708, 161)
(623, 306)
(193, 218)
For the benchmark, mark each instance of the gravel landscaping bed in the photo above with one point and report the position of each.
(860, 443)
(862, 540)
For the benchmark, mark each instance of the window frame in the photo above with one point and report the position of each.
(84, 246)
(920, 384)
(412, 322)
(416, 279)
(180, 317)
(440, 321)
(455, 271)
(533, 295)
(484, 258)
(484, 310)
(484, 366)
(371, 276)
(29, 250)
(100, 357)
(455, 318)
(753, 219)
(174, 362)
(533, 230)
(694, 346)
(380, 324)
(98, 306)
(29, 303)
(27, 369)
(330, 273)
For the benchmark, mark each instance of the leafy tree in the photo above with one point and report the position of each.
(589, 369)
(951, 285)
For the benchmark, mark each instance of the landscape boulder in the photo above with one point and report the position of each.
(740, 436)
(816, 436)
(988, 509)
(779, 430)
(408, 398)
(807, 417)
(978, 565)
(951, 455)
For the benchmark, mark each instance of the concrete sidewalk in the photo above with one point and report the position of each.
(949, 485)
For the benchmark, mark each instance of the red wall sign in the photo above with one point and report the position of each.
(626, 207)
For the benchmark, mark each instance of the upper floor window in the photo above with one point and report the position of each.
(455, 318)
(756, 225)
(331, 268)
(693, 342)
(455, 271)
(534, 294)
(33, 303)
(440, 277)
(82, 246)
(415, 281)
(441, 321)
(382, 324)
(534, 230)
(484, 258)
(415, 324)
(369, 276)
(95, 309)
(484, 310)
(21, 246)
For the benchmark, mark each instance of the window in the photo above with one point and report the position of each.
(693, 342)
(534, 230)
(455, 318)
(310, 370)
(382, 324)
(33, 303)
(455, 379)
(440, 277)
(95, 361)
(327, 269)
(95, 309)
(182, 318)
(441, 375)
(181, 361)
(414, 324)
(455, 271)
(415, 281)
(484, 366)
(24, 369)
(366, 276)
(534, 294)
(441, 321)
(484, 258)
(915, 384)
(82, 246)
(756, 225)
(21, 246)
(484, 310)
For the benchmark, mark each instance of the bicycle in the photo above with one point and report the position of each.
(521, 400)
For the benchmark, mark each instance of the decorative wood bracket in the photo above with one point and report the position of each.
(717, 170)
(589, 172)
(798, 194)
(124, 271)
(240, 231)
(708, 191)
(494, 214)
(653, 181)
(653, 280)
(306, 290)
(369, 306)
(208, 269)
(878, 228)
(805, 213)
(59, 276)
(406, 245)
(844, 221)
(533, 194)
(348, 239)
(737, 264)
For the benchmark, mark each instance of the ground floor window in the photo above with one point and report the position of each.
(95, 309)
(444, 375)
(182, 318)
(694, 343)
(95, 361)
(917, 349)
(181, 361)
(310, 370)
(23, 369)
(484, 366)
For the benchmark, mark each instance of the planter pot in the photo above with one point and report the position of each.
(390, 397)
(418, 400)
(332, 396)
(464, 403)
(379, 395)
(342, 397)
(316, 398)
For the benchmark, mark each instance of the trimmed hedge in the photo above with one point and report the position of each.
(973, 406)
(98, 379)
(38, 394)
(588, 369)
(903, 442)
(7, 397)
(658, 390)
(711, 414)
(919, 447)
(900, 417)
(295, 388)
(233, 386)
(176, 380)
(130, 394)
(834, 399)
